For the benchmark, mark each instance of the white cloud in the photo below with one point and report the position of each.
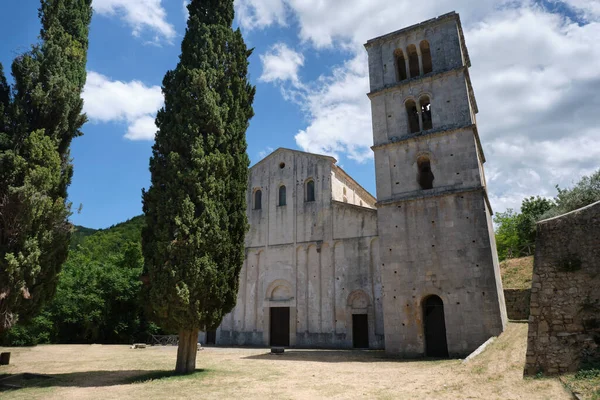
(534, 74)
(260, 13)
(186, 13)
(139, 14)
(263, 153)
(132, 102)
(281, 64)
(142, 128)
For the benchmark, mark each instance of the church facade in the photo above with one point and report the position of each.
(414, 271)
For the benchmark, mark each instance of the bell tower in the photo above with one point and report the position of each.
(442, 291)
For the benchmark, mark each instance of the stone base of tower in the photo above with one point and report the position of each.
(439, 258)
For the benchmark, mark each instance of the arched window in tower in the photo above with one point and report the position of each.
(400, 65)
(310, 190)
(413, 61)
(425, 105)
(258, 199)
(413, 116)
(425, 176)
(426, 57)
(282, 195)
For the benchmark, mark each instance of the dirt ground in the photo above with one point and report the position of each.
(117, 372)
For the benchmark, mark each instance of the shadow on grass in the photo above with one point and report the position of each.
(337, 356)
(90, 378)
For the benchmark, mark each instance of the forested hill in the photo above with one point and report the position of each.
(113, 239)
(98, 297)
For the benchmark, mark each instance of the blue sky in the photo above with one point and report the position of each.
(534, 72)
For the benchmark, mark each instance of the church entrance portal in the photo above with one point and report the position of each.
(360, 331)
(280, 326)
(211, 337)
(435, 327)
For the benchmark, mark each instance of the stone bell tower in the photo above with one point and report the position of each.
(442, 292)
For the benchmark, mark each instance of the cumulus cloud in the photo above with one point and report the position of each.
(139, 14)
(186, 13)
(132, 102)
(534, 73)
(260, 13)
(281, 64)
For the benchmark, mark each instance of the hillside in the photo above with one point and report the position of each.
(517, 272)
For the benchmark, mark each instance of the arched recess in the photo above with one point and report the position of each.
(257, 199)
(434, 327)
(413, 60)
(358, 299)
(425, 175)
(412, 116)
(309, 190)
(360, 317)
(279, 290)
(425, 106)
(426, 56)
(282, 195)
(400, 61)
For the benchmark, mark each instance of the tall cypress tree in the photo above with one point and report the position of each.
(39, 116)
(195, 208)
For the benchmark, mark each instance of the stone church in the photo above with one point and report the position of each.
(414, 270)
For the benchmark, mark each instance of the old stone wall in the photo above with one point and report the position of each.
(517, 303)
(564, 326)
(318, 258)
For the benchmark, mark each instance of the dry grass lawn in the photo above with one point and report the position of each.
(517, 273)
(117, 372)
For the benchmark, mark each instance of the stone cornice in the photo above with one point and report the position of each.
(437, 192)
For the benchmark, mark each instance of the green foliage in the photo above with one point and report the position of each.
(98, 297)
(80, 233)
(507, 235)
(515, 233)
(195, 208)
(39, 116)
(585, 192)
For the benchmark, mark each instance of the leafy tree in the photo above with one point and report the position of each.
(585, 192)
(507, 234)
(195, 208)
(40, 115)
(531, 211)
(98, 298)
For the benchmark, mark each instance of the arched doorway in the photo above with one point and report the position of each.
(435, 327)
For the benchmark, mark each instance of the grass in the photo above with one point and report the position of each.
(585, 383)
(517, 273)
(117, 372)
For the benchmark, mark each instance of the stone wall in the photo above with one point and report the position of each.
(517, 303)
(564, 326)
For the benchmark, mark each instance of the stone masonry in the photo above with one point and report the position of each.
(564, 326)
(415, 269)
(517, 303)
(434, 217)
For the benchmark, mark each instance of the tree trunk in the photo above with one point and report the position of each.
(186, 352)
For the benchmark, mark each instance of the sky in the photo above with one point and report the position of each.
(535, 72)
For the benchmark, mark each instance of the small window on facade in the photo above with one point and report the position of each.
(413, 61)
(282, 194)
(413, 116)
(360, 203)
(310, 190)
(426, 112)
(425, 176)
(344, 191)
(257, 200)
(426, 57)
(400, 65)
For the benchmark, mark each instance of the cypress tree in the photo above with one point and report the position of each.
(39, 116)
(195, 208)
